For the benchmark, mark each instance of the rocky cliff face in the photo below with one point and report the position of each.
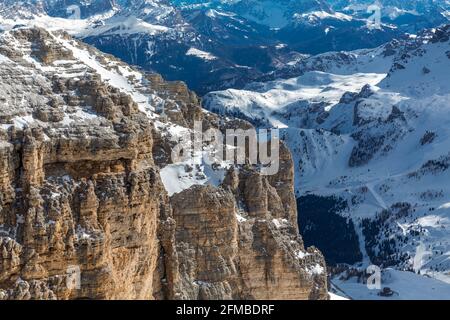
(239, 242)
(85, 213)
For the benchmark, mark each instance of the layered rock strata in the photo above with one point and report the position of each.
(84, 212)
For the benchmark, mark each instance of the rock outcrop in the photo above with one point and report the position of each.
(84, 213)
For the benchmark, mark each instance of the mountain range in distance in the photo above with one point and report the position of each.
(213, 45)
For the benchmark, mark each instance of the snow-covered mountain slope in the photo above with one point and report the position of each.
(11, 9)
(158, 37)
(277, 14)
(391, 8)
(382, 147)
(80, 61)
(271, 13)
(315, 26)
(277, 102)
(324, 80)
(401, 285)
(79, 9)
(405, 16)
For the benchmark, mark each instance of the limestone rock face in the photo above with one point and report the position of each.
(226, 252)
(85, 213)
(80, 194)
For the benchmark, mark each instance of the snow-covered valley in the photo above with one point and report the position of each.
(375, 135)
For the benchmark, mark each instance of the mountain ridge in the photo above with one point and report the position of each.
(86, 210)
(370, 133)
(157, 35)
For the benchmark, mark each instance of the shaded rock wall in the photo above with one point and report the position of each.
(83, 211)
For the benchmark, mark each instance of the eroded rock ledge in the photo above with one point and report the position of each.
(80, 190)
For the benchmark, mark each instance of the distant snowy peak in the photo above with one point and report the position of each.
(412, 6)
(399, 11)
(277, 14)
(11, 9)
(151, 11)
(124, 26)
(389, 58)
(414, 66)
(71, 16)
(252, 40)
(315, 16)
(370, 128)
(94, 17)
(423, 66)
(79, 8)
(271, 13)
(160, 12)
(200, 54)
